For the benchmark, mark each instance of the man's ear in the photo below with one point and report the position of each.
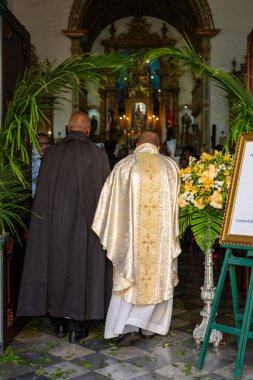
(68, 129)
(88, 131)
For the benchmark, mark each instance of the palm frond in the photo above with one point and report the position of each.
(239, 94)
(206, 227)
(42, 88)
(185, 217)
(13, 194)
(39, 88)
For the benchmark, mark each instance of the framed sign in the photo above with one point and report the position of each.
(238, 222)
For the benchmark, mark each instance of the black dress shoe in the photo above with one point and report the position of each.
(61, 331)
(126, 339)
(75, 336)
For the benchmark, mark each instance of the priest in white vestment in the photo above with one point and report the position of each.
(137, 223)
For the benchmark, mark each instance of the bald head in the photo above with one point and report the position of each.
(150, 137)
(79, 122)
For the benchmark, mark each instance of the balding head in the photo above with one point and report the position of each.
(79, 122)
(150, 137)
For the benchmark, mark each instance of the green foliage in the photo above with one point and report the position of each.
(46, 87)
(10, 356)
(205, 224)
(40, 89)
(240, 96)
(12, 196)
(203, 192)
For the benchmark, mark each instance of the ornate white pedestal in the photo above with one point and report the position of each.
(207, 295)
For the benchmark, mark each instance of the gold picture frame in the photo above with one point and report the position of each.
(238, 220)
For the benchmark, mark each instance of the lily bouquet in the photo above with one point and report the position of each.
(204, 188)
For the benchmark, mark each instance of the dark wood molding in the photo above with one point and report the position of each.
(3, 5)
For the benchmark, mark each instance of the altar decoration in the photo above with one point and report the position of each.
(204, 187)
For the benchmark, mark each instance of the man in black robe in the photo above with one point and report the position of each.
(65, 270)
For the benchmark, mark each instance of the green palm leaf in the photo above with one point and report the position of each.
(46, 87)
(206, 227)
(205, 224)
(42, 88)
(241, 98)
(13, 195)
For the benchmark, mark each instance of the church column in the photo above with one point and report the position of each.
(77, 36)
(102, 110)
(163, 112)
(112, 107)
(164, 76)
(112, 99)
(206, 35)
(175, 111)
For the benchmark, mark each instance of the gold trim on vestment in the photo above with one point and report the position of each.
(146, 261)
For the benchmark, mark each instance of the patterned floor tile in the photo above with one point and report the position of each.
(178, 323)
(181, 371)
(38, 354)
(97, 344)
(122, 371)
(95, 361)
(62, 370)
(124, 353)
(150, 376)
(91, 376)
(8, 370)
(69, 351)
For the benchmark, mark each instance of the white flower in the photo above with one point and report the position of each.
(186, 177)
(192, 160)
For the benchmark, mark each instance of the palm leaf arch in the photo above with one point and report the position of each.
(206, 224)
(27, 111)
(239, 94)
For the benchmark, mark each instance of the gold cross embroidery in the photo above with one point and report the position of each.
(150, 206)
(148, 241)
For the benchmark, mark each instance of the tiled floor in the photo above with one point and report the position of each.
(37, 354)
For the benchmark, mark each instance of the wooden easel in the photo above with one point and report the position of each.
(242, 320)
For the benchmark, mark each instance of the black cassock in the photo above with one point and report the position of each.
(66, 272)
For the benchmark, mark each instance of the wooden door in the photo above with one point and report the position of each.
(16, 57)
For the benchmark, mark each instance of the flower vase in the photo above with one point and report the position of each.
(207, 295)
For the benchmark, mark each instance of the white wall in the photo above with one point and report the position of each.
(45, 21)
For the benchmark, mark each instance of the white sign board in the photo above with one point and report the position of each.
(238, 223)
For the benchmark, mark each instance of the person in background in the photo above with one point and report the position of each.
(163, 149)
(36, 159)
(188, 151)
(183, 162)
(66, 274)
(219, 148)
(137, 223)
(110, 147)
(123, 152)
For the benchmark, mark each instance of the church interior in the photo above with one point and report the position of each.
(189, 113)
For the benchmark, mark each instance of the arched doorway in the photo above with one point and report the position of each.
(190, 18)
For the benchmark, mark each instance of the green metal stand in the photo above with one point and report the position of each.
(242, 321)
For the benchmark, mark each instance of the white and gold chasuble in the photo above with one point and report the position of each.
(137, 223)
